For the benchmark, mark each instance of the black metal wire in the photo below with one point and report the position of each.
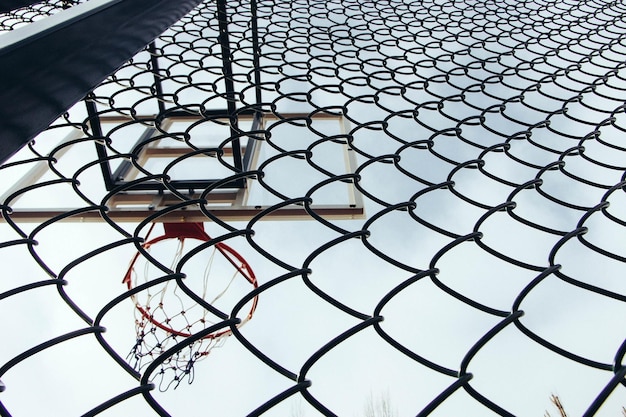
(514, 95)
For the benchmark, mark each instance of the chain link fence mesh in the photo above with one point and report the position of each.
(487, 273)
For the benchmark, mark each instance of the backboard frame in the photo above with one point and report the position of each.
(130, 201)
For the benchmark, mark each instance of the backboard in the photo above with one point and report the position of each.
(188, 168)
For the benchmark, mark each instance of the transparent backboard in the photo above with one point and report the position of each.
(142, 167)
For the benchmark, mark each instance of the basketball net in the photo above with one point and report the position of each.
(165, 315)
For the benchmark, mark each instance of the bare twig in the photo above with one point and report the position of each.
(557, 403)
(380, 408)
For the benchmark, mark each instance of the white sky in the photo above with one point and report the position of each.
(291, 323)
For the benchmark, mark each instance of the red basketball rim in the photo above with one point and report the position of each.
(229, 253)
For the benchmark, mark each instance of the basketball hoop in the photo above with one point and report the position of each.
(165, 315)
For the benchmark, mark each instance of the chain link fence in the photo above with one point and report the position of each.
(430, 194)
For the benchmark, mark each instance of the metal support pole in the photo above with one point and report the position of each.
(96, 131)
(256, 54)
(158, 85)
(227, 68)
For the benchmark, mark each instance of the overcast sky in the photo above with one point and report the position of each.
(413, 68)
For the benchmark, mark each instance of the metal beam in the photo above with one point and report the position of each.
(191, 215)
(227, 68)
(49, 65)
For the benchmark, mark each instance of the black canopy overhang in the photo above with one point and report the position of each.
(43, 75)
